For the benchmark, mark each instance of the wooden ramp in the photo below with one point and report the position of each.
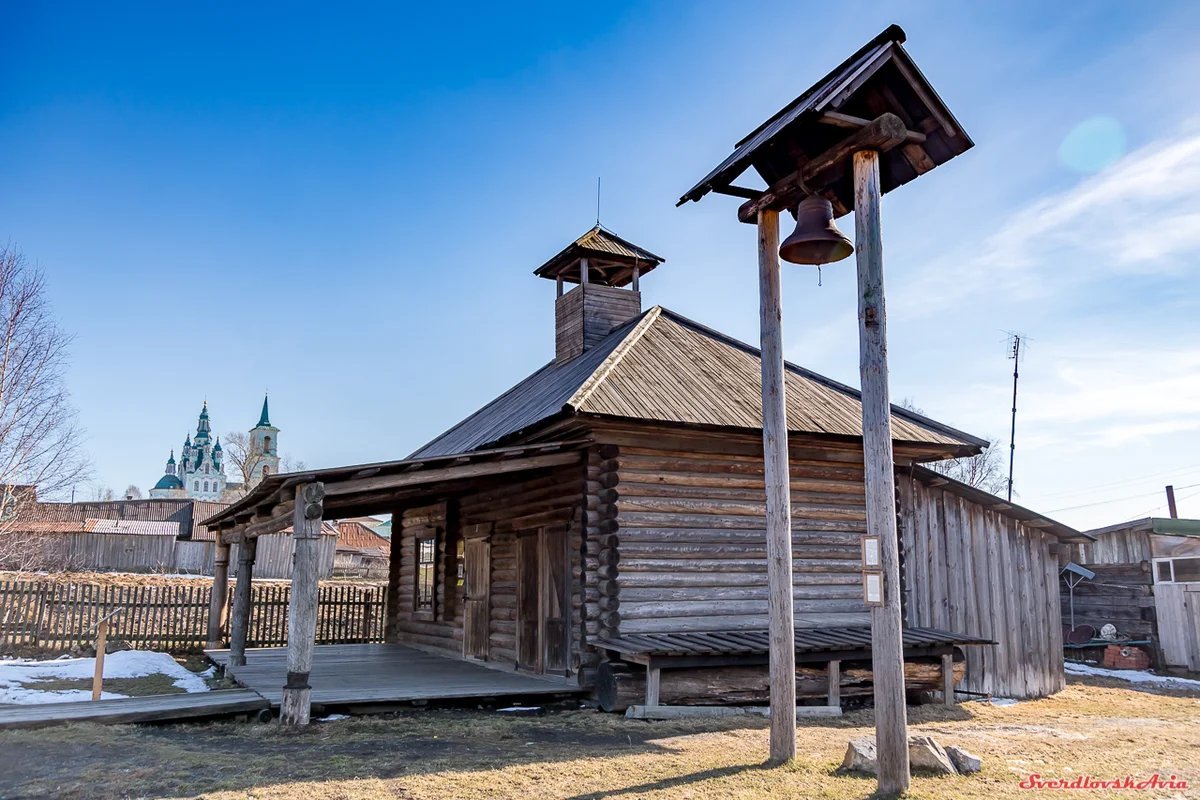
(369, 674)
(156, 708)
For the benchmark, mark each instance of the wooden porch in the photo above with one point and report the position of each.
(378, 674)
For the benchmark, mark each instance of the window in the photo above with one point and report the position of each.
(266, 470)
(1177, 570)
(426, 574)
(206, 486)
(196, 486)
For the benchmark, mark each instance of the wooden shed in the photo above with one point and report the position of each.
(603, 519)
(1146, 584)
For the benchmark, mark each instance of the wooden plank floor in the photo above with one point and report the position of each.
(352, 674)
(156, 708)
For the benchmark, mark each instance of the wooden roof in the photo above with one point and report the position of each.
(985, 499)
(358, 489)
(611, 259)
(663, 367)
(879, 79)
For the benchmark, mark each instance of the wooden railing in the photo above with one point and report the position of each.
(52, 615)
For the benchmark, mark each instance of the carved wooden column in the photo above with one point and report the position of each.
(240, 625)
(302, 609)
(218, 605)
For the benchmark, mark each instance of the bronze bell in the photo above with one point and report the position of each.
(816, 239)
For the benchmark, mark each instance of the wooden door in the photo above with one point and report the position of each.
(529, 649)
(542, 609)
(477, 559)
(555, 615)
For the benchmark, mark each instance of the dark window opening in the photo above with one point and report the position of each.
(426, 573)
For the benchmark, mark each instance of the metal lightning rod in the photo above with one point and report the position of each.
(1014, 352)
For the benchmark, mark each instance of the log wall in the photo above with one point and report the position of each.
(519, 505)
(975, 571)
(690, 523)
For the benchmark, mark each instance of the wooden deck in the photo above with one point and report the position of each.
(370, 674)
(157, 708)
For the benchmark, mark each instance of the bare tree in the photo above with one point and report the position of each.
(244, 453)
(132, 492)
(983, 471)
(40, 453)
(289, 463)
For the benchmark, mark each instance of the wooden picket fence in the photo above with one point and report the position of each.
(45, 615)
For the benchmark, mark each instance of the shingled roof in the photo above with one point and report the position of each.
(663, 367)
(610, 257)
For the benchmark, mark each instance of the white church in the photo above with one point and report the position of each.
(200, 472)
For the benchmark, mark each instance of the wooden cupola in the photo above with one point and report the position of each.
(607, 269)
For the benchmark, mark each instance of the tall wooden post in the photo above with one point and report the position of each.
(239, 626)
(391, 624)
(218, 603)
(302, 609)
(779, 496)
(887, 648)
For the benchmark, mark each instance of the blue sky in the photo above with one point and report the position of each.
(344, 203)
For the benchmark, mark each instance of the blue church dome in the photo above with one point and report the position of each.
(169, 482)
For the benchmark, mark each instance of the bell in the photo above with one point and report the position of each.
(816, 239)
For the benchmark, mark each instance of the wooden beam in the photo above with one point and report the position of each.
(240, 625)
(296, 703)
(739, 191)
(848, 121)
(948, 679)
(881, 135)
(834, 691)
(887, 647)
(218, 606)
(778, 490)
(483, 468)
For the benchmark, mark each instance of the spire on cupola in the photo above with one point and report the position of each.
(202, 429)
(264, 419)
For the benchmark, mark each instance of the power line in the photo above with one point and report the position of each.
(1117, 499)
(1118, 484)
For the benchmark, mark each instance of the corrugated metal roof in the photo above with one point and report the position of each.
(132, 527)
(664, 367)
(186, 514)
(357, 536)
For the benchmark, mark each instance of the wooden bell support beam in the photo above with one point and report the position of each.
(296, 704)
(887, 648)
(240, 625)
(780, 620)
(219, 600)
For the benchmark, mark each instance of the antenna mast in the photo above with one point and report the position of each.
(1014, 353)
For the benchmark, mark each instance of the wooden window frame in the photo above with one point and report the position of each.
(427, 611)
(1170, 562)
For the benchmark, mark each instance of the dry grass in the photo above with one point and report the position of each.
(1097, 728)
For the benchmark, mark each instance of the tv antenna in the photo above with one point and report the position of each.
(1015, 353)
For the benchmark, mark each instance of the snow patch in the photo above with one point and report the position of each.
(333, 717)
(1131, 675)
(19, 677)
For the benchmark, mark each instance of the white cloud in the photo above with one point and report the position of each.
(1139, 216)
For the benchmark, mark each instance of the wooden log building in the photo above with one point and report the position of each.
(604, 519)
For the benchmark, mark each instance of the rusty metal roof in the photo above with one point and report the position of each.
(610, 259)
(663, 367)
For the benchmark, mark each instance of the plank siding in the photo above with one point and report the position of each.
(989, 576)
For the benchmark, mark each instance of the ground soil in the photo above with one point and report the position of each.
(1095, 727)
